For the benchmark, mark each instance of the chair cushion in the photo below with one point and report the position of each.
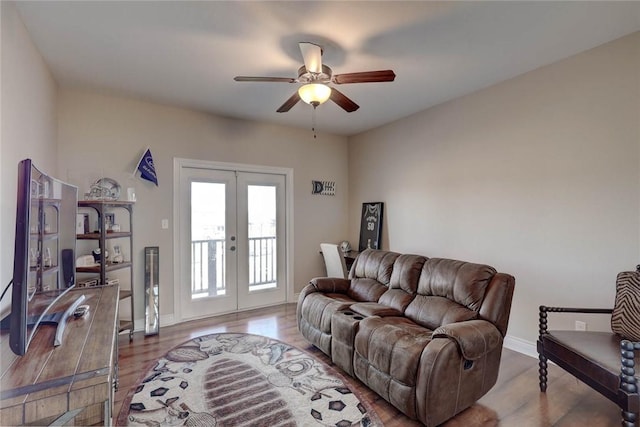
(625, 319)
(595, 355)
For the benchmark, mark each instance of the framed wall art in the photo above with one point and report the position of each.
(371, 226)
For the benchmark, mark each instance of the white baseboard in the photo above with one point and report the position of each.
(525, 347)
(165, 320)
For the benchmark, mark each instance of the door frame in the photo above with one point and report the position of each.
(178, 165)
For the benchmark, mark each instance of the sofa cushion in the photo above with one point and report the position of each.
(406, 272)
(459, 281)
(625, 319)
(392, 345)
(396, 299)
(403, 283)
(434, 311)
(374, 264)
(367, 290)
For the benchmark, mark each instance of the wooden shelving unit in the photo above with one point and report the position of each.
(44, 231)
(123, 212)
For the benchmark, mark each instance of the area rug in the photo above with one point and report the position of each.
(234, 379)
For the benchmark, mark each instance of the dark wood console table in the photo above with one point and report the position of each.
(72, 383)
(350, 258)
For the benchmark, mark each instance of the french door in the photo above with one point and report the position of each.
(232, 245)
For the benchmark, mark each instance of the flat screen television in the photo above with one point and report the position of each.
(44, 262)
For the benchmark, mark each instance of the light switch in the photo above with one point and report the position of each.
(165, 224)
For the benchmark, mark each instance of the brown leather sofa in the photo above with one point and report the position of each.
(426, 334)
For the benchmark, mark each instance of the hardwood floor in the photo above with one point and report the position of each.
(514, 401)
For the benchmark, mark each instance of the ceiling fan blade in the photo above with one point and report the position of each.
(365, 77)
(312, 54)
(345, 103)
(264, 79)
(289, 103)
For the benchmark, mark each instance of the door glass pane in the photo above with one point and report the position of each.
(207, 239)
(261, 206)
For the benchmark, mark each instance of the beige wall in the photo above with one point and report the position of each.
(105, 135)
(28, 122)
(538, 176)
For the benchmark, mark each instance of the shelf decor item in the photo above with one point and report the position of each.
(371, 226)
(104, 189)
(109, 220)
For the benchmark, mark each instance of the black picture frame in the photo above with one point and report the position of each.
(109, 220)
(371, 226)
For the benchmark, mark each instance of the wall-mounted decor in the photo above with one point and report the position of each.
(371, 226)
(325, 188)
(146, 167)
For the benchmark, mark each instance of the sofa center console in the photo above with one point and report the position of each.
(345, 325)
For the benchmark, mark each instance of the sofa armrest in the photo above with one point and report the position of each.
(475, 338)
(322, 285)
(331, 284)
(309, 289)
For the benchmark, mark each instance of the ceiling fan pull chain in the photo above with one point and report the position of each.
(313, 122)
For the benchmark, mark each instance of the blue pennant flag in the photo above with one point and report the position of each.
(146, 168)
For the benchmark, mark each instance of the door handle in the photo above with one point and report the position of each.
(232, 248)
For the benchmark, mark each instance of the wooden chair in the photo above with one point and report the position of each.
(602, 360)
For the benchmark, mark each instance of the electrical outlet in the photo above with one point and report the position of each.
(581, 326)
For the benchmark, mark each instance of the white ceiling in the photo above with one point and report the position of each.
(187, 53)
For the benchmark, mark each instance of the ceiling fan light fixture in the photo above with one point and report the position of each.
(314, 93)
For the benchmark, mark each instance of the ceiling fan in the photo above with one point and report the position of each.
(316, 76)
